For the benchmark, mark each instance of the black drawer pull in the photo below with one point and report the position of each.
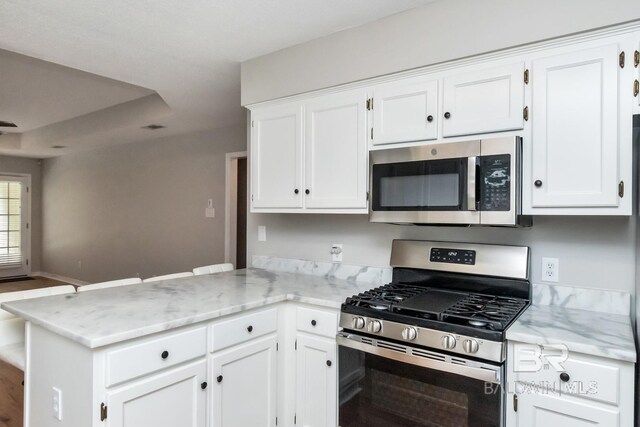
(164, 355)
(250, 328)
(429, 118)
(538, 183)
(328, 362)
(564, 377)
(219, 379)
(447, 115)
(203, 385)
(314, 323)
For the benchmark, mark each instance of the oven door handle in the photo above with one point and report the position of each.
(489, 373)
(471, 183)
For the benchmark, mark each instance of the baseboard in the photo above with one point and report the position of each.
(59, 278)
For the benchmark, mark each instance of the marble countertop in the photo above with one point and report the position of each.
(582, 331)
(102, 317)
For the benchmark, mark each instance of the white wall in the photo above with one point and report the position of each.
(137, 209)
(438, 32)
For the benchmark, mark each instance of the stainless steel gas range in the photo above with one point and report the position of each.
(428, 349)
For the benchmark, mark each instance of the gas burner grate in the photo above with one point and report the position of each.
(384, 297)
(484, 311)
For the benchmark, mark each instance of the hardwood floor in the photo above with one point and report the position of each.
(11, 388)
(11, 395)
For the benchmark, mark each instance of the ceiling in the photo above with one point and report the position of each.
(174, 62)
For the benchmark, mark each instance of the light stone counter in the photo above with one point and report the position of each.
(102, 317)
(586, 321)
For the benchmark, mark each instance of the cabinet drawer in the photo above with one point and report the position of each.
(318, 322)
(243, 328)
(588, 378)
(137, 359)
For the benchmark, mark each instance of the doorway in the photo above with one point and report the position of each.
(236, 209)
(14, 225)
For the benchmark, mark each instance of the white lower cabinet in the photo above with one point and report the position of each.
(586, 391)
(541, 410)
(316, 382)
(244, 385)
(174, 398)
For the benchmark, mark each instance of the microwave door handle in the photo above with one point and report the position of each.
(471, 183)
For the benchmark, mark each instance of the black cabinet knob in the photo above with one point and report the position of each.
(307, 191)
(314, 323)
(296, 191)
(429, 118)
(447, 115)
(328, 362)
(203, 385)
(564, 377)
(538, 183)
(219, 379)
(250, 328)
(164, 354)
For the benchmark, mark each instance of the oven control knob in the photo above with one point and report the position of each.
(357, 323)
(471, 346)
(374, 326)
(409, 333)
(449, 342)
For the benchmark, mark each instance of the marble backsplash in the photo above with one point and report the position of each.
(599, 300)
(352, 273)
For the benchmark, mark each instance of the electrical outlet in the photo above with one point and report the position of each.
(550, 269)
(56, 401)
(336, 252)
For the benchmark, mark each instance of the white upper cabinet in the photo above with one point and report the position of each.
(405, 111)
(336, 151)
(276, 156)
(484, 100)
(575, 132)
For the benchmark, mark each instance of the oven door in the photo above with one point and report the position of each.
(385, 384)
(430, 184)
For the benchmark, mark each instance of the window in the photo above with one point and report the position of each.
(10, 223)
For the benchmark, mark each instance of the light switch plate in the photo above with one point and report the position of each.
(56, 401)
(262, 233)
(210, 212)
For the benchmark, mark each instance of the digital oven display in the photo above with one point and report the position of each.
(452, 256)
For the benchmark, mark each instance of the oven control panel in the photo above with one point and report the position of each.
(453, 256)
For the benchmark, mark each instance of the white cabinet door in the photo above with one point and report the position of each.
(336, 151)
(405, 111)
(276, 157)
(489, 100)
(174, 398)
(545, 410)
(316, 382)
(575, 138)
(244, 385)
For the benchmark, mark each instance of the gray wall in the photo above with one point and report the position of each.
(438, 32)
(34, 168)
(137, 209)
(593, 252)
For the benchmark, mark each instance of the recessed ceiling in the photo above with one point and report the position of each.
(187, 51)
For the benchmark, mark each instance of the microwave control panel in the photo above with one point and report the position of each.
(453, 256)
(495, 183)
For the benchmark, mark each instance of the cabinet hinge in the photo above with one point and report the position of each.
(103, 412)
(636, 87)
(27, 189)
(372, 134)
(276, 420)
(27, 226)
(295, 345)
(636, 58)
(515, 403)
(27, 261)
(525, 114)
(252, 197)
(295, 418)
(367, 196)
(277, 347)
(369, 104)
(621, 59)
(526, 77)
(251, 123)
(621, 189)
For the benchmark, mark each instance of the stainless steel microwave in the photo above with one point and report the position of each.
(475, 182)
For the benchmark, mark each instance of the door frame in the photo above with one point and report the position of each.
(231, 182)
(26, 218)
